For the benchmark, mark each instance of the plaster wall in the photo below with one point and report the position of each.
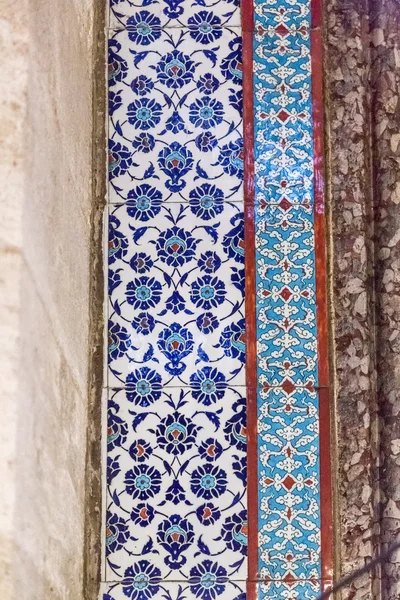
(46, 273)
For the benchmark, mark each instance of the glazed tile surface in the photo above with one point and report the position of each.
(288, 425)
(176, 286)
(175, 107)
(176, 478)
(209, 572)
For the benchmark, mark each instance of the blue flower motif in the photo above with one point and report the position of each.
(233, 340)
(175, 70)
(114, 101)
(119, 159)
(113, 468)
(117, 66)
(117, 242)
(237, 278)
(206, 112)
(143, 28)
(231, 158)
(231, 66)
(175, 535)
(236, 100)
(208, 514)
(175, 303)
(117, 533)
(172, 8)
(205, 141)
(144, 113)
(207, 580)
(114, 280)
(207, 292)
(176, 343)
(208, 84)
(175, 123)
(235, 429)
(143, 386)
(206, 201)
(175, 493)
(175, 161)
(208, 385)
(239, 467)
(140, 450)
(176, 434)
(142, 514)
(142, 85)
(144, 142)
(141, 263)
(142, 482)
(233, 241)
(207, 323)
(175, 246)
(210, 449)
(141, 581)
(205, 27)
(209, 262)
(235, 531)
(144, 323)
(117, 429)
(143, 293)
(144, 202)
(119, 341)
(208, 481)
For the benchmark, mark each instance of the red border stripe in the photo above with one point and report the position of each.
(321, 293)
(250, 295)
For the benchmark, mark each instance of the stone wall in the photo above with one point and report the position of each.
(49, 236)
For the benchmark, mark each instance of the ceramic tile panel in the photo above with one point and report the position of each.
(208, 582)
(175, 109)
(195, 14)
(176, 287)
(176, 476)
(289, 511)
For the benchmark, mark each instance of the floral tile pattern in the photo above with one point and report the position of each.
(176, 479)
(175, 110)
(176, 289)
(176, 502)
(204, 14)
(207, 582)
(288, 423)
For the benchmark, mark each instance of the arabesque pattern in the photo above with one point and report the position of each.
(288, 423)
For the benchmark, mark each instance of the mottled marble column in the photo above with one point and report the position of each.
(349, 163)
(385, 86)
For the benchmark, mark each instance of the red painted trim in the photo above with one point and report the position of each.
(251, 331)
(322, 312)
(316, 13)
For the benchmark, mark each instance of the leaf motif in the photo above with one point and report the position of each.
(137, 420)
(215, 420)
(204, 549)
(212, 231)
(147, 547)
(115, 498)
(139, 233)
(149, 172)
(149, 354)
(211, 55)
(118, 128)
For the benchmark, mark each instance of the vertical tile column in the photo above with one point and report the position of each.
(294, 512)
(175, 499)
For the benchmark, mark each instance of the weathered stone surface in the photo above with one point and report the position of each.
(49, 235)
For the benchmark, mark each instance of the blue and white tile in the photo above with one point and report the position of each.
(199, 14)
(300, 589)
(208, 582)
(282, 14)
(176, 476)
(175, 111)
(286, 305)
(289, 513)
(176, 287)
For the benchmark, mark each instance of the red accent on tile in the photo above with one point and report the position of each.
(250, 295)
(322, 311)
